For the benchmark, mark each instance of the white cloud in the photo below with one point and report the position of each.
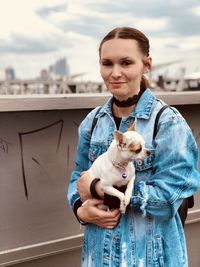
(196, 10)
(20, 17)
(190, 43)
(153, 24)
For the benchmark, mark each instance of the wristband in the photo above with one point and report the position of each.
(93, 188)
(77, 205)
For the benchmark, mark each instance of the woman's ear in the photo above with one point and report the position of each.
(147, 64)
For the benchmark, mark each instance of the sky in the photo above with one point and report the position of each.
(36, 33)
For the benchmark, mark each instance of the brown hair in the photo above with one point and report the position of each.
(134, 34)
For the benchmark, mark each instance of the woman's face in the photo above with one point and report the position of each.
(122, 66)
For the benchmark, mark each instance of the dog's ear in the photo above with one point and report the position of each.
(133, 127)
(119, 137)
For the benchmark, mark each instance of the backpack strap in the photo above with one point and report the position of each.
(188, 202)
(157, 120)
(94, 122)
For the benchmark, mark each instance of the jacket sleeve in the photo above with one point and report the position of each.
(175, 171)
(82, 164)
(82, 160)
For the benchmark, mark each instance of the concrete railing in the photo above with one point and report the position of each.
(37, 147)
(29, 87)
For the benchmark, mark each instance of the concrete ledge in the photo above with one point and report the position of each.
(193, 216)
(40, 250)
(82, 101)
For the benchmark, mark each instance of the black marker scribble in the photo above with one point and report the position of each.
(61, 122)
(38, 163)
(68, 157)
(197, 137)
(4, 145)
(76, 124)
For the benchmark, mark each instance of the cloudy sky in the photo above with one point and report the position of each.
(36, 33)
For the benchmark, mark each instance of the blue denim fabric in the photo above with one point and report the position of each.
(150, 234)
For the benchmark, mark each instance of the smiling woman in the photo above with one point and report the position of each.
(122, 66)
(162, 180)
(123, 63)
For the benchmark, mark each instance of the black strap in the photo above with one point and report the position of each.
(93, 188)
(95, 121)
(157, 120)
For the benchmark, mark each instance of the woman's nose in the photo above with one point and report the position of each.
(116, 71)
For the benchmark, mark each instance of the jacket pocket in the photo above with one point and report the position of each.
(147, 163)
(158, 259)
(95, 151)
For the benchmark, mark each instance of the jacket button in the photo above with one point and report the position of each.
(139, 162)
(115, 239)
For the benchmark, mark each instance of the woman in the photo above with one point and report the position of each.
(150, 233)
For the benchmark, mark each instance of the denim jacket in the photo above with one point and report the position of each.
(150, 234)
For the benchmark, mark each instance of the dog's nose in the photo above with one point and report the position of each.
(148, 153)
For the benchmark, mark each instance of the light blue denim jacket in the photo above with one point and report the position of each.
(150, 234)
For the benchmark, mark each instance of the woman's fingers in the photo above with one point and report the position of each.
(91, 213)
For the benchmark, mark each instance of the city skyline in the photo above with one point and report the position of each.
(36, 33)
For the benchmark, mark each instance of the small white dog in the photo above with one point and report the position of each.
(115, 166)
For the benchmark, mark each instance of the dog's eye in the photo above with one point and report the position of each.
(138, 150)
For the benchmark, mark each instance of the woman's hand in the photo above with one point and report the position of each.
(90, 212)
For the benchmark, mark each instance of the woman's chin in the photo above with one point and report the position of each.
(118, 93)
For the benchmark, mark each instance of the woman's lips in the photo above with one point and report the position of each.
(117, 84)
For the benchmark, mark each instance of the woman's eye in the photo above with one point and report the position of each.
(126, 63)
(106, 63)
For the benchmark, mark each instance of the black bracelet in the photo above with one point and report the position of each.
(93, 188)
(77, 205)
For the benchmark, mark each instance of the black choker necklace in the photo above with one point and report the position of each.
(128, 102)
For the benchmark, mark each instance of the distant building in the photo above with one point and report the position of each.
(57, 70)
(44, 75)
(60, 68)
(9, 73)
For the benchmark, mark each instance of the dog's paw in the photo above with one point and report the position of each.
(123, 210)
(127, 199)
(123, 206)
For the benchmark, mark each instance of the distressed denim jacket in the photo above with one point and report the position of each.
(150, 234)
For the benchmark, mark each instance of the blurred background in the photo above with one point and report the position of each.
(52, 46)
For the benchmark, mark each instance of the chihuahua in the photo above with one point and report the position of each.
(115, 167)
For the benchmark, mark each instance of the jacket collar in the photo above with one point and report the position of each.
(143, 108)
